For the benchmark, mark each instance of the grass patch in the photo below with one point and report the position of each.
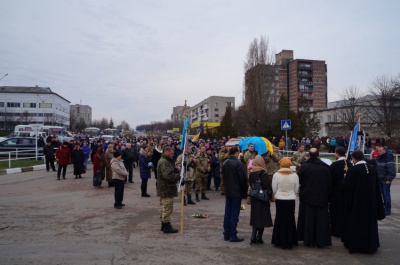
(20, 163)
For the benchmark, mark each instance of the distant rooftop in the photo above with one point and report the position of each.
(29, 90)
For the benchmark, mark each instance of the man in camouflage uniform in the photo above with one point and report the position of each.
(190, 169)
(222, 156)
(168, 176)
(202, 169)
(272, 162)
(298, 156)
(250, 154)
(151, 146)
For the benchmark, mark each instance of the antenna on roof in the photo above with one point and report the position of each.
(81, 101)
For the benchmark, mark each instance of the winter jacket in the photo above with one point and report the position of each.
(118, 169)
(144, 169)
(385, 167)
(234, 178)
(48, 151)
(63, 155)
(167, 178)
(128, 156)
(86, 151)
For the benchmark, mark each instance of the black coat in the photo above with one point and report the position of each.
(260, 215)
(337, 204)
(78, 159)
(234, 178)
(48, 151)
(363, 208)
(315, 182)
(128, 156)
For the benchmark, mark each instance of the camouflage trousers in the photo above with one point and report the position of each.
(221, 185)
(166, 209)
(201, 184)
(189, 187)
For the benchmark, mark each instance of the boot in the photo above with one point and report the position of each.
(168, 229)
(197, 197)
(259, 236)
(184, 201)
(190, 200)
(203, 196)
(162, 226)
(253, 239)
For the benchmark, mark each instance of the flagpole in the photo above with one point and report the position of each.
(183, 157)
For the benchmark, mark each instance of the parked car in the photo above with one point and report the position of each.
(19, 144)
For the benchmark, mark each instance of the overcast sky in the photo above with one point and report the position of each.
(135, 60)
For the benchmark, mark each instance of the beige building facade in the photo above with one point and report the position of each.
(211, 109)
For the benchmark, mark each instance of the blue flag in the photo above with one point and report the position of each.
(183, 139)
(353, 141)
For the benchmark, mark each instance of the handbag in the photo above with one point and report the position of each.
(259, 193)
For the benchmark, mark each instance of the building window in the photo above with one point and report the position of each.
(13, 105)
(276, 77)
(216, 115)
(1, 104)
(29, 105)
(215, 109)
(45, 105)
(229, 103)
(216, 104)
(329, 118)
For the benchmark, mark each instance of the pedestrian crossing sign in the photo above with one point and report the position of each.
(286, 124)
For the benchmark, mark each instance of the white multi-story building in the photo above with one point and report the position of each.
(211, 109)
(24, 105)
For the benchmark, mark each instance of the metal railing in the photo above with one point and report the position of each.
(288, 153)
(20, 155)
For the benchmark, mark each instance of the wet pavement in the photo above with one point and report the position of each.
(46, 221)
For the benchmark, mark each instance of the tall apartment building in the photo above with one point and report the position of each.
(79, 112)
(178, 113)
(211, 109)
(24, 105)
(303, 81)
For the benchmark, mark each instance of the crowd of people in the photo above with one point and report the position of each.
(334, 199)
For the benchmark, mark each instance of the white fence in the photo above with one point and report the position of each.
(21, 155)
(396, 157)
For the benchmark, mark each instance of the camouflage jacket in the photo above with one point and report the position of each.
(272, 162)
(202, 165)
(249, 156)
(222, 156)
(167, 178)
(190, 166)
(297, 158)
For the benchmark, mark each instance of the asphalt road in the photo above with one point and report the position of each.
(45, 221)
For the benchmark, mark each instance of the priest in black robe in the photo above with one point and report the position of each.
(339, 169)
(315, 192)
(363, 207)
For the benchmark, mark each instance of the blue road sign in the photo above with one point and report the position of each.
(286, 125)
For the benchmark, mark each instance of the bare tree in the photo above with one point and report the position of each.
(350, 106)
(254, 116)
(385, 103)
(24, 118)
(123, 126)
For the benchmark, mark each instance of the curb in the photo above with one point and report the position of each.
(23, 169)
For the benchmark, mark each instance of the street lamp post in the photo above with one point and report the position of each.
(3, 76)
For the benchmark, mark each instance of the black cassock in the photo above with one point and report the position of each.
(338, 170)
(363, 209)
